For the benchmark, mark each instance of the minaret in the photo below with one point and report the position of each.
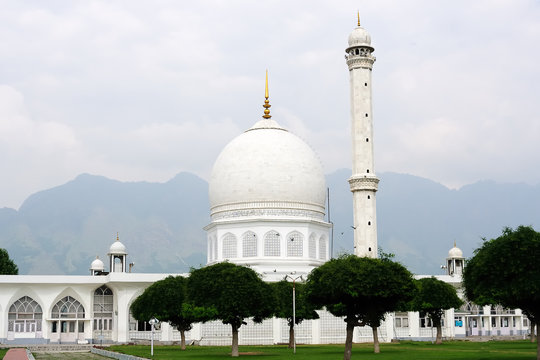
(363, 181)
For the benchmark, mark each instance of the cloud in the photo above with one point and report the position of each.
(138, 93)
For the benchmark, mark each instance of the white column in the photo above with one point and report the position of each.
(196, 332)
(389, 323)
(414, 324)
(276, 330)
(316, 331)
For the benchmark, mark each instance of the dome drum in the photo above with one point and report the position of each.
(267, 209)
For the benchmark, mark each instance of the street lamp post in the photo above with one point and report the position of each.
(294, 305)
(152, 323)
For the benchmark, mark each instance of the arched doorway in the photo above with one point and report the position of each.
(25, 319)
(69, 326)
(103, 314)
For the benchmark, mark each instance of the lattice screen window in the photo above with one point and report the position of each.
(322, 248)
(295, 244)
(249, 244)
(103, 308)
(210, 248)
(25, 315)
(229, 246)
(271, 243)
(312, 246)
(68, 307)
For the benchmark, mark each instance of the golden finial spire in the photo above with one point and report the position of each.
(117, 237)
(454, 243)
(266, 105)
(358, 14)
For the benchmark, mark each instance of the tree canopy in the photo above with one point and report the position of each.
(432, 298)
(362, 290)
(234, 293)
(304, 309)
(505, 271)
(7, 266)
(166, 300)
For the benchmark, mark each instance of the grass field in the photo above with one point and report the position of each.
(3, 352)
(493, 350)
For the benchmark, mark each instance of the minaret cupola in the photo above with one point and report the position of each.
(117, 256)
(455, 261)
(359, 52)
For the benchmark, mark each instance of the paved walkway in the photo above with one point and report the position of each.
(67, 356)
(16, 354)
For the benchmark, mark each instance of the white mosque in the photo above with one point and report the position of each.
(267, 208)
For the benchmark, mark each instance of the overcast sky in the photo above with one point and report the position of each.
(141, 90)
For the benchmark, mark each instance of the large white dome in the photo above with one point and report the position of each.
(265, 171)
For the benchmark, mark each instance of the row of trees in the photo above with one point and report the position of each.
(502, 271)
(362, 290)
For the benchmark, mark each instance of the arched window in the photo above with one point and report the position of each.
(25, 316)
(103, 310)
(322, 248)
(312, 246)
(229, 246)
(295, 244)
(249, 244)
(214, 239)
(271, 243)
(68, 308)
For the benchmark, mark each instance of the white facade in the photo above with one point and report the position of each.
(54, 321)
(363, 182)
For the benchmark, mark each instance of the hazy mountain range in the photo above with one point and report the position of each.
(61, 230)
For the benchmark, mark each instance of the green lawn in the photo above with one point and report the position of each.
(516, 350)
(3, 352)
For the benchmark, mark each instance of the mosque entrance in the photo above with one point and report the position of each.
(68, 321)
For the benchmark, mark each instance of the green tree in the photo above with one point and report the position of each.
(362, 290)
(166, 300)
(505, 271)
(432, 298)
(304, 309)
(7, 266)
(234, 293)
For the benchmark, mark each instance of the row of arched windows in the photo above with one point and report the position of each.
(271, 245)
(25, 315)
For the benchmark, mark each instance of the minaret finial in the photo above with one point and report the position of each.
(454, 243)
(266, 105)
(358, 14)
(117, 237)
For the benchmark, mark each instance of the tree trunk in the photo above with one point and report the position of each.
(538, 348)
(376, 346)
(234, 352)
(291, 336)
(348, 342)
(182, 339)
(533, 325)
(438, 339)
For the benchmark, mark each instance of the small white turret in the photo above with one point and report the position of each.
(455, 261)
(117, 256)
(97, 267)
